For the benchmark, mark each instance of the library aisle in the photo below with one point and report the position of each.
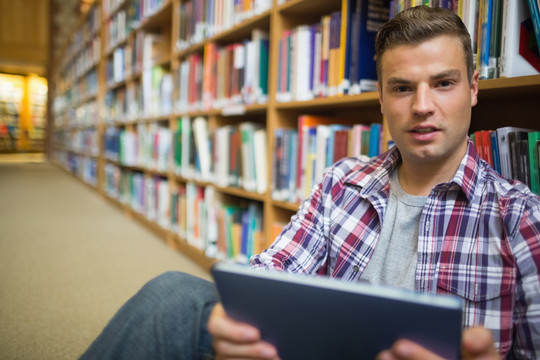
(68, 260)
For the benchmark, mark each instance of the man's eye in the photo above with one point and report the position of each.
(401, 89)
(445, 83)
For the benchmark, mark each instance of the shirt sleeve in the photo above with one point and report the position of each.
(302, 245)
(526, 244)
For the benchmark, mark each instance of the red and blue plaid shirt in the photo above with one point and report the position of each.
(479, 238)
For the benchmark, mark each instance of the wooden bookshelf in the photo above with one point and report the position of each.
(502, 102)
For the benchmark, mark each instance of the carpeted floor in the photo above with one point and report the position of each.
(68, 260)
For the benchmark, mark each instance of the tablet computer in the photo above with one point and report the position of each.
(309, 317)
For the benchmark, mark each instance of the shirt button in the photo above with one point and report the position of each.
(356, 268)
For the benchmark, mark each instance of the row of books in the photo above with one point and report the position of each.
(229, 156)
(83, 89)
(123, 104)
(146, 195)
(202, 19)
(513, 152)
(126, 61)
(84, 167)
(88, 30)
(301, 155)
(127, 16)
(112, 6)
(147, 146)
(502, 32)
(334, 56)
(84, 141)
(84, 115)
(116, 30)
(151, 97)
(225, 76)
(221, 228)
(86, 60)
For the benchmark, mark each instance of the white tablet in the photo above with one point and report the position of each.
(308, 317)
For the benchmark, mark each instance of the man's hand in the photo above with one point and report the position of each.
(477, 343)
(233, 340)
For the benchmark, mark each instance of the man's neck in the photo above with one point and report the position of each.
(419, 180)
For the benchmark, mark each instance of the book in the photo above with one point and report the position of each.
(305, 122)
(495, 151)
(484, 36)
(535, 17)
(495, 40)
(508, 168)
(512, 61)
(334, 53)
(519, 156)
(534, 160)
(261, 161)
(370, 15)
(344, 50)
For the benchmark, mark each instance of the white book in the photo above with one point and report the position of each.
(191, 194)
(317, 69)
(222, 161)
(323, 133)
(163, 203)
(470, 12)
(512, 63)
(303, 55)
(212, 208)
(164, 147)
(166, 89)
(247, 155)
(151, 210)
(118, 65)
(202, 143)
(249, 75)
(261, 161)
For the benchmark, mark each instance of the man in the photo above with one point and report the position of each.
(466, 230)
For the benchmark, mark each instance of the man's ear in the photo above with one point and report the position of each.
(474, 88)
(379, 90)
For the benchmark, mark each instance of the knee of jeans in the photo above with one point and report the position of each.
(180, 284)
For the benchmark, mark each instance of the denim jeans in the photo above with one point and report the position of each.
(166, 319)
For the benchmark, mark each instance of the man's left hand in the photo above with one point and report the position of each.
(477, 343)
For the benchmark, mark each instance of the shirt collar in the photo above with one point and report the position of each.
(374, 175)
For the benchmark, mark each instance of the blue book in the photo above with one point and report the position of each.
(370, 15)
(375, 140)
(535, 17)
(495, 151)
(485, 40)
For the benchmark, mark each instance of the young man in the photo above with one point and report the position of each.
(427, 215)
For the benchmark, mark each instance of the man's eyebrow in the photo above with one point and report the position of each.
(396, 81)
(452, 73)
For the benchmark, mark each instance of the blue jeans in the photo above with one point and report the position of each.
(166, 319)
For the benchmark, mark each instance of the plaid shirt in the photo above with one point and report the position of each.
(479, 238)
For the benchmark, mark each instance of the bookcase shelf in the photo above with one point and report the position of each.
(111, 110)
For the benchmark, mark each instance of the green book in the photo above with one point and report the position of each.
(534, 141)
(178, 145)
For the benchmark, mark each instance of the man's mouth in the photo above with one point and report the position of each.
(423, 130)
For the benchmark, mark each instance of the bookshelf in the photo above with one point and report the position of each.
(124, 105)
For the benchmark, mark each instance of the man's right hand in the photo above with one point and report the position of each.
(233, 339)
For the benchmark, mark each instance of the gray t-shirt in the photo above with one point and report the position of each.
(394, 259)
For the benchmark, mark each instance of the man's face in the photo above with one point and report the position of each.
(427, 99)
